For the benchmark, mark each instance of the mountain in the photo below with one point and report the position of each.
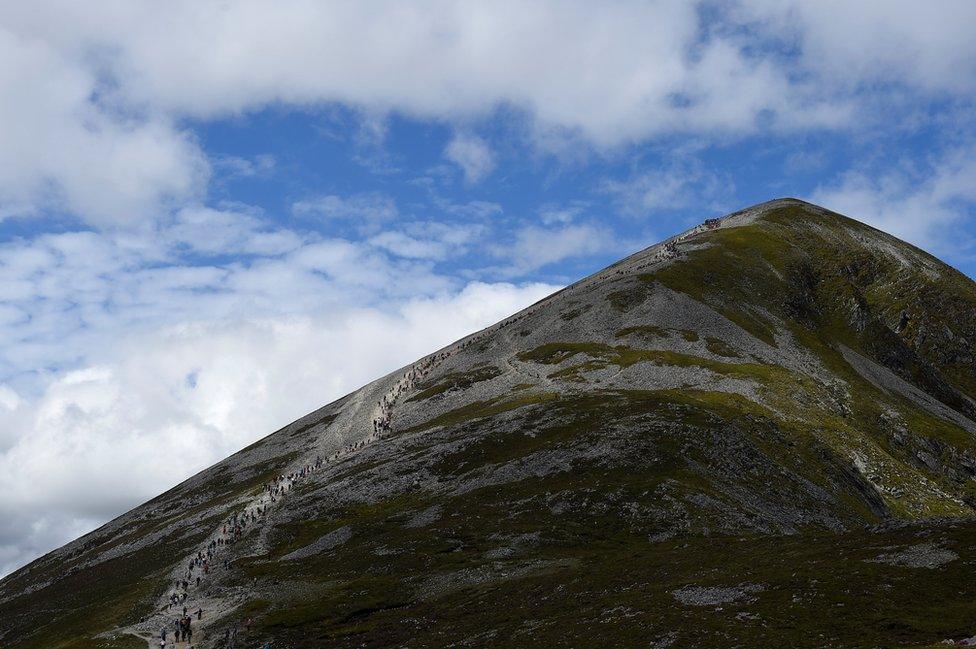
(761, 432)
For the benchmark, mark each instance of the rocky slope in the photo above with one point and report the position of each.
(761, 432)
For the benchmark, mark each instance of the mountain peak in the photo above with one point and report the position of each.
(760, 416)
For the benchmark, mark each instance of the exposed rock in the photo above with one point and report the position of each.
(923, 555)
(715, 595)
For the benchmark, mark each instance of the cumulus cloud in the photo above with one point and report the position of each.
(62, 149)
(854, 44)
(672, 186)
(212, 231)
(63, 293)
(615, 71)
(472, 155)
(922, 203)
(428, 240)
(93, 92)
(535, 247)
(248, 378)
(157, 369)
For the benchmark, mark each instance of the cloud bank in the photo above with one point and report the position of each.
(110, 81)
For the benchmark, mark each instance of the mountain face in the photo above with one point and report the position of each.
(761, 432)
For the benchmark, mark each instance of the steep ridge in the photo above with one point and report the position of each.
(755, 421)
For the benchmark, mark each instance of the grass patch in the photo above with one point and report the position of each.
(457, 381)
(481, 409)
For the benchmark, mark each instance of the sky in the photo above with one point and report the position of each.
(218, 216)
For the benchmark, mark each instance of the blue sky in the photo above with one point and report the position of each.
(215, 217)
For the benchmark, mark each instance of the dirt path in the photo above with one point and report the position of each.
(255, 513)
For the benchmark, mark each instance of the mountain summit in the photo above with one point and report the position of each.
(760, 432)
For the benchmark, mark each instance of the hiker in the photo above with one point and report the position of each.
(199, 613)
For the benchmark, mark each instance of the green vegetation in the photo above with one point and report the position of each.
(652, 331)
(623, 357)
(457, 381)
(588, 570)
(572, 314)
(625, 300)
(811, 591)
(481, 409)
(721, 348)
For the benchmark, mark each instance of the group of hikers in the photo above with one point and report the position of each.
(205, 561)
(670, 248)
(183, 630)
(419, 371)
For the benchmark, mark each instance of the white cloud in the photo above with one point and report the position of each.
(61, 149)
(535, 247)
(64, 293)
(239, 167)
(679, 184)
(92, 91)
(427, 240)
(550, 214)
(472, 155)
(364, 209)
(614, 72)
(211, 231)
(159, 368)
(856, 44)
(404, 245)
(925, 204)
